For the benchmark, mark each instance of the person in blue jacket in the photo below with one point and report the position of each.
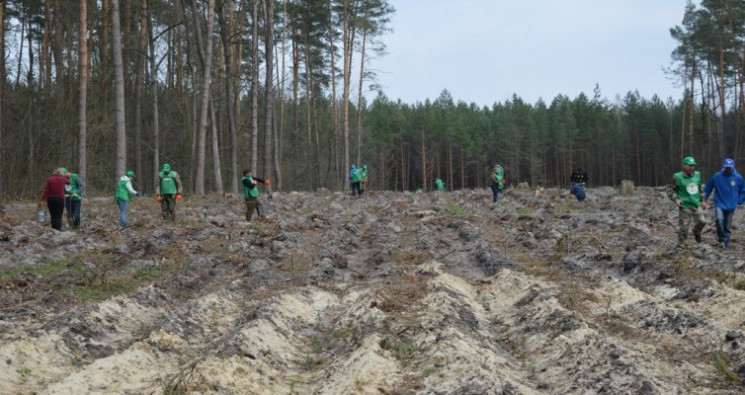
(729, 192)
(355, 176)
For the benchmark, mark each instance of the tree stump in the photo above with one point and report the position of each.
(627, 187)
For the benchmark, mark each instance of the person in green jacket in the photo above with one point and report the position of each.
(687, 192)
(168, 188)
(363, 178)
(123, 195)
(354, 179)
(251, 193)
(496, 181)
(439, 185)
(73, 198)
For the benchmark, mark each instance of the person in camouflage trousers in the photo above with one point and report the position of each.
(169, 189)
(251, 193)
(686, 191)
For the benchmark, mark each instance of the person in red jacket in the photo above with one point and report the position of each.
(54, 195)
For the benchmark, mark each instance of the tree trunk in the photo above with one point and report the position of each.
(3, 76)
(360, 101)
(121, 131)
(269, 94)
(255, 88)
(154, 92)
(722, 107)
(104, 48)
(692, 109)
(334, 104)
(348, 47)
(59, 33)
(312, 155)
(83, 90)
(225, 34)
(126, 34)
(45, 61)
(424, 155)
(216, 150)
(139, 82)
(207, 79)
(281, 76)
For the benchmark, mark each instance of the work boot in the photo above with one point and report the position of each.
(697, 235)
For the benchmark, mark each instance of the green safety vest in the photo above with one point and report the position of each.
(498, 178)
(168, 183)
(688, 189)
(252, 192)
(73, 188)
(122, 194)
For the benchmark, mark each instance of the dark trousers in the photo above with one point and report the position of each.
(168, 207)
(252, 204)
(495, 193)
(56, 207)
(72, 211)
(356, 188)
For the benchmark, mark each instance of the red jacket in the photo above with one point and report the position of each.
(55, 187)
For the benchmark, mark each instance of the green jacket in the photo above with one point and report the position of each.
(75, 187)
(168, 184)
(497, 177)
(249, 188)
(124, 190)
(355, 176)
(688, 189)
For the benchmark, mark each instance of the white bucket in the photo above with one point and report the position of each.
(41, 215)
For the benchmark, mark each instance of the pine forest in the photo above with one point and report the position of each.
(213, 87)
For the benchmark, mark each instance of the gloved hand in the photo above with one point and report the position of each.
(267, 182)
(255, 182)
(160, 198)
(178, 197)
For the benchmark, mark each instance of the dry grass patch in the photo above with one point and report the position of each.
(410, 258)
(401, 293)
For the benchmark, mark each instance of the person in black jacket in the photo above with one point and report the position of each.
(578, 178)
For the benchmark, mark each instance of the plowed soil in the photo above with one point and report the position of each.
(388, 293)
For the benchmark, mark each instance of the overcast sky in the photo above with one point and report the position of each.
(484, 51)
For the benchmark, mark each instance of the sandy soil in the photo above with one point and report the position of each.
(390, 293)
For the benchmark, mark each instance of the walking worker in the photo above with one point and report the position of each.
(251, 193)
(496, 181)
(439, 185)
(168, 188)
(123, 194)
(686, 191)
(54, 196)
(729, 192)
(355, 177)
(579, 179)
(363, 178)
(73, 198)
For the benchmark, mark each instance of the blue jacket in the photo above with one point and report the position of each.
(730, 190)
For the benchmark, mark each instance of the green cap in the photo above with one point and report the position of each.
(130, 173)
(688, 160)
(166, 167)
(63, 170)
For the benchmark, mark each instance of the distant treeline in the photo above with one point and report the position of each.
(214, 87)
